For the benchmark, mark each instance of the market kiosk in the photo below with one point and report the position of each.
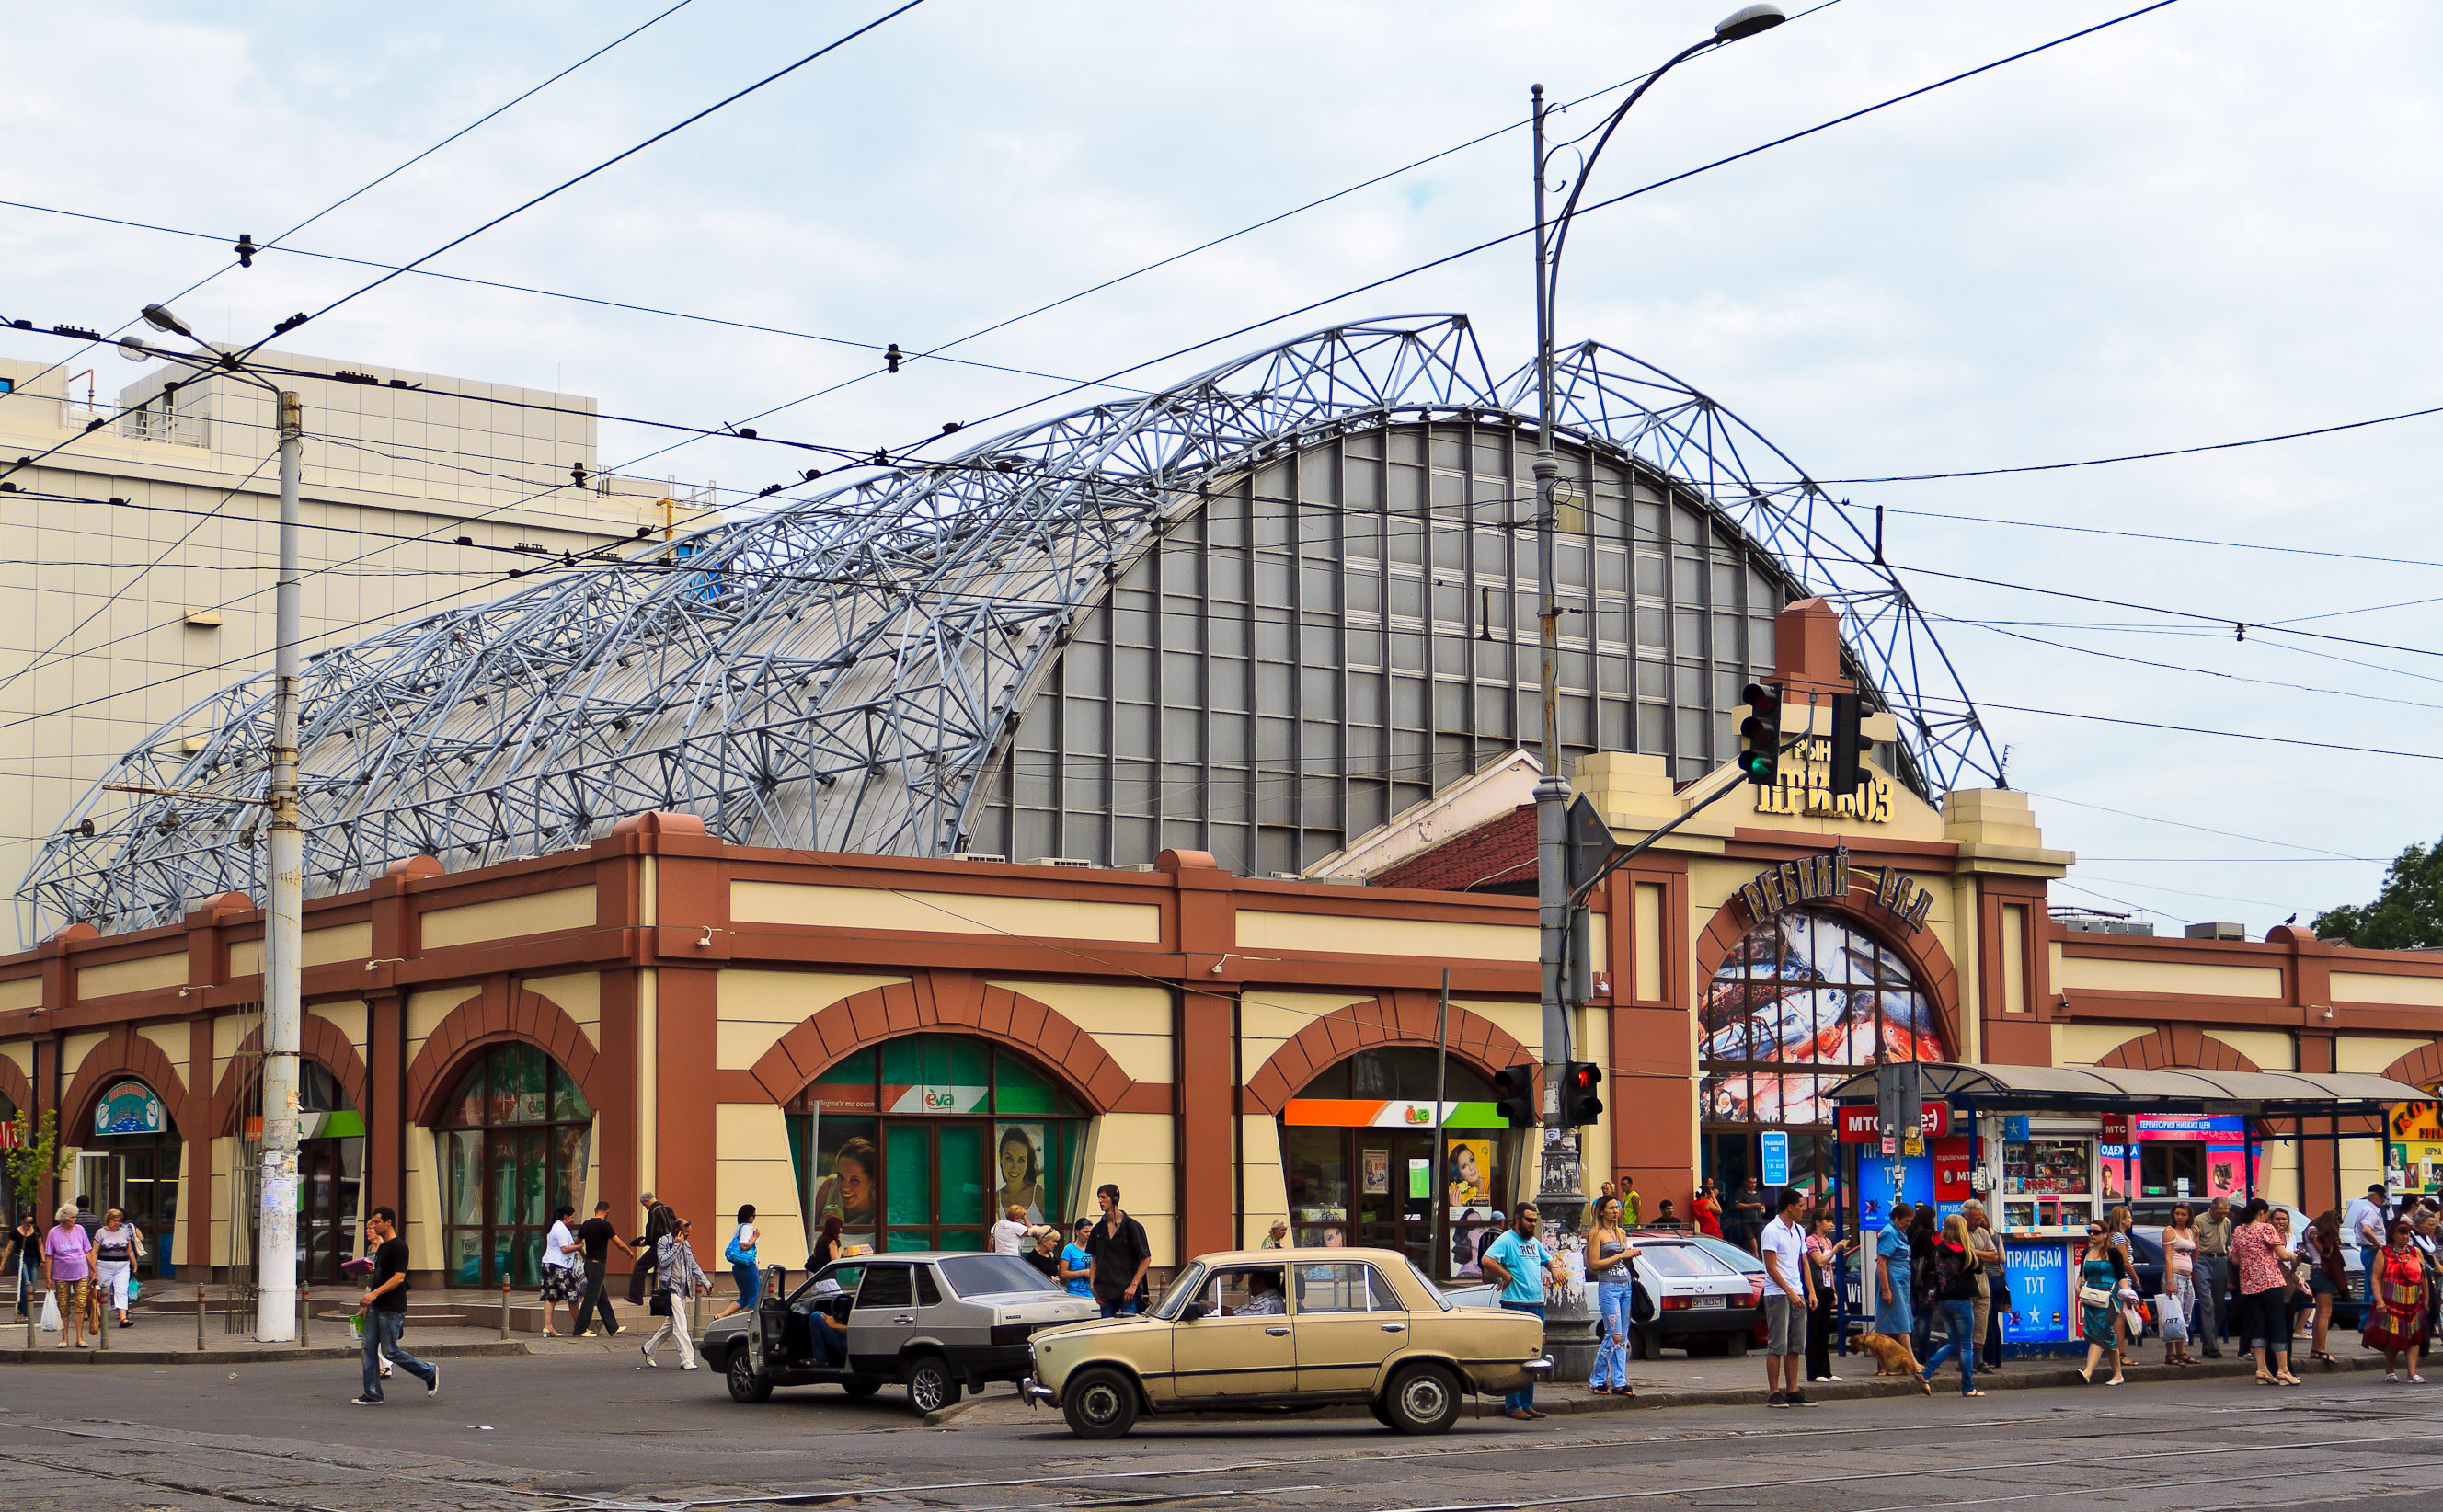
(2048, 1149)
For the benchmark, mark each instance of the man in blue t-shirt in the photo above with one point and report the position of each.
(1521, 1264)
(1077, 1266)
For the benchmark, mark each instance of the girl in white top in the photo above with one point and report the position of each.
(563, 1266)
(1009, 1236)
(117, 1247)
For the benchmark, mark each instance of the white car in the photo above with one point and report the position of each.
(1689, 1298)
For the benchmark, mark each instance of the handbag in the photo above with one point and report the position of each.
(735, 1255)
(2094, 1297)
(661, 1306)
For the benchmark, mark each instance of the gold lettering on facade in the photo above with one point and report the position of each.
(1805, 789)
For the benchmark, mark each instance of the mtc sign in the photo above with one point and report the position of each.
(1861, 1125)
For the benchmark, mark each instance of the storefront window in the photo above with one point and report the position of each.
(1804, 1002)
(2046, 1183)
(130, 1160)
(514, 1141)
(920, 1142)
(1357, 1149)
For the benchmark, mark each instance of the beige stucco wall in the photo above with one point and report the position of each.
(73, 1049)
(2271, 1049)
(2371, 1053)
(2107, 975)
(426, 1009)
(1267, 1184)
(21, 1054)
(2365, 986)
(422, 1205)
(340, 942)
(24, 992)
(751, 1163)
(149, 974)
(753, 1010)
(906, 910)
(1133, 1151)
(1269, 1016)
(570, 908)
(579, 995)
(1428, 939)
(2084, 1045)
(350, 1019)
(1131, 1023)
(223, 1157)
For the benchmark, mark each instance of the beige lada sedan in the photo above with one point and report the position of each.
(1287, 1328)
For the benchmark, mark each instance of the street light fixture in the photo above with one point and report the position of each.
(159, 318)
(1558, 1180)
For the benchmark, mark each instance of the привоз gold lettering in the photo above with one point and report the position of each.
(1806, 789)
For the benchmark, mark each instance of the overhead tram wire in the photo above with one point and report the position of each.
(2168, 666)
(2174, 823)
(353, 193)
(2182, 541)
(1600, 204)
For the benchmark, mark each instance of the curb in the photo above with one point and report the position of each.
(266, 1355)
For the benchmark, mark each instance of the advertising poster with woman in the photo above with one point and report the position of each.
(1019, 1162)
(848, 1165)
(1468, 1174)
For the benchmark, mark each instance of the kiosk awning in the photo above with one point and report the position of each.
(2111, 1089)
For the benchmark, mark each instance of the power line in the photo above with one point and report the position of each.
(2227, 734)
(2141, 535)
(2203, 672)
(2142, 456)
(2202, 829)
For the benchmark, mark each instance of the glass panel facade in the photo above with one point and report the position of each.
(1390, 1187)
(1340, 599)
(514, 1144)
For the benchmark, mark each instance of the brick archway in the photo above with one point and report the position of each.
(1402, 1018)
(2421, 1068)
(1928, 962)
(14, 1086)
(125, 1053)
(951, 1001)
(323, 1042)
(2183, 1045)
(494, 1017)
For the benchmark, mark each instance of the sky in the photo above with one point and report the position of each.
(2201, 225)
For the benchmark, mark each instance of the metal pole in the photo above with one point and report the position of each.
(304, 1317)
(1551, 790)
(200, 1309)
(504, 1307)
(284, 1020)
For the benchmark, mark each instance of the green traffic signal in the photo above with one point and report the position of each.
(1760, 735)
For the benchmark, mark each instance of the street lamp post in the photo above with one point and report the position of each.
(1558, 1185)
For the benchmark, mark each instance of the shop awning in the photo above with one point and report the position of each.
(2112, 1089)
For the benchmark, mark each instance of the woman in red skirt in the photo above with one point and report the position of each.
(2397, 1321)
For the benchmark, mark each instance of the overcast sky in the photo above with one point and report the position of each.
(2212, 222)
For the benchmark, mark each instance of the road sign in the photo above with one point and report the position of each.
(1776, 1158)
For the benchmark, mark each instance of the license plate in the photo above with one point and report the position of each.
(1709, 1301)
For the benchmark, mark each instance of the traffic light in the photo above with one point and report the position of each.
(1848, 710)
(1760, 735)
(1516, 1087)
(1579, 1103)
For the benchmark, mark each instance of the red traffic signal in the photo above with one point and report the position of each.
(1579, 1102)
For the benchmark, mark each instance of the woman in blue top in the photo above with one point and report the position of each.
(2097, 1273)
(1611, 1261)
(1077, 1266)
(1892, 1275)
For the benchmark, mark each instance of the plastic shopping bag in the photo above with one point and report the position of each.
(50, 1312)
(357, 1325)
(135, 1288)
(2175, 1321)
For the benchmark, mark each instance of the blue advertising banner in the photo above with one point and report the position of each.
(2042, 1311)
(1875, 1193)
(1775, 1164)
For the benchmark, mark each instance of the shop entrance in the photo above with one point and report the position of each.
(131, 1162)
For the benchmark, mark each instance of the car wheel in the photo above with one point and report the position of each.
(1099, 1404)
(861, 1387)
(1381, 1413)
(746, 1384)
(930, 1385)
(1735, 1345)
(1642, 1345)
(1422, 1399)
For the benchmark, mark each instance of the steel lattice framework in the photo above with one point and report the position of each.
(842, 674)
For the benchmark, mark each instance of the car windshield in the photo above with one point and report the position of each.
(1181, 1291)
(1680, 1260)
(983, 1275)
(1729, 1254)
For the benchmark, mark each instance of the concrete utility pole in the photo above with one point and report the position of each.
(283, 1016)
(1558, 1181)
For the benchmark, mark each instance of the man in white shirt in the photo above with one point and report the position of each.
(2369, 1229)
(1011, 1234)
(1788, 1297)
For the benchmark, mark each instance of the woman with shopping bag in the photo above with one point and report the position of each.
(68, 1268)
(2099, 1316)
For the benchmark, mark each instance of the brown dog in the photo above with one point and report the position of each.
(1893, 1356)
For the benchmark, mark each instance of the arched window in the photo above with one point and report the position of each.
(920, 1142)
(1357, 1147)
(513, 1141)
(1805, 1000)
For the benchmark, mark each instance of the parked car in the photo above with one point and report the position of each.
(1694, 1293)
(938, 1324)
(1287, 1328)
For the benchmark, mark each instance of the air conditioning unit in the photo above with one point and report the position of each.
(979, 855)
(2216, 929)
(1059, 860)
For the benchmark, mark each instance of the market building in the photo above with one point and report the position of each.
(976, 834)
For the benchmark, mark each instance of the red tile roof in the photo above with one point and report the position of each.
(1499, 854)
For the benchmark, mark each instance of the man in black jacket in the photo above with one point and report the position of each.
(1121, 1254)
(660, 1219)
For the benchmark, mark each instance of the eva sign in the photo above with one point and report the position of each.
(1861, 1125)
(128, 1108)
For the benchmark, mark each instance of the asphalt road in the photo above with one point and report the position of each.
(573, 1433)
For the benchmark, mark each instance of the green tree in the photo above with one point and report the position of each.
(33, 1158)
(2406, 915)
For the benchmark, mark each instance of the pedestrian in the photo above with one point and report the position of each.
(25, 1260)
(1045, 1254)
(2179, 1284)
(116, 1247)
(659, 1221)
(2264, 1325)
(2099, 1305)
(1922, 1238)
(2295, 1297)
(1276, 1237)
(1611, 1265)
(2396, 1320)
(1628, 1202)
(597, 1236)
(1076, 1262)
(1749, 1215)
(1009, 1235)
(67, 1270)
(1891, 1297)
(677, 1279)
(828, 1245)
(2364, 1222)
(2214, 1275)
(1707, 1209)
(1825, 1254)
(563, 1268)
(1993, 1292)
(1956, 1265)
(740, 1253)
(2328, 1276)
(2429, 1243)
(385, 1308)
(1788, 1297)
(1120, 1252)
(1521, 1265)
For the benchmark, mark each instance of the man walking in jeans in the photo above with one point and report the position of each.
(2212, 1275)
(597, 1236)
(1520, 1264)
(2369, 1227)
(385, 1306)
(1788, 1297)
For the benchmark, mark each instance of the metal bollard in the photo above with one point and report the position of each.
(305, 1317)
(102, 1326)
(201, 1308)
(504, 1307)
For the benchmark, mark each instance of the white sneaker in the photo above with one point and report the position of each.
(1821, 1379)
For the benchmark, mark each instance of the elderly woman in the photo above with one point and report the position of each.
(67, 1269)
(2396, 1318)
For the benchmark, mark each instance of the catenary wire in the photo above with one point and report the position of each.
(2184, 541)
(2202, 829)
(2169, 666)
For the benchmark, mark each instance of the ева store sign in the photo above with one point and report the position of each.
(1811, 878)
